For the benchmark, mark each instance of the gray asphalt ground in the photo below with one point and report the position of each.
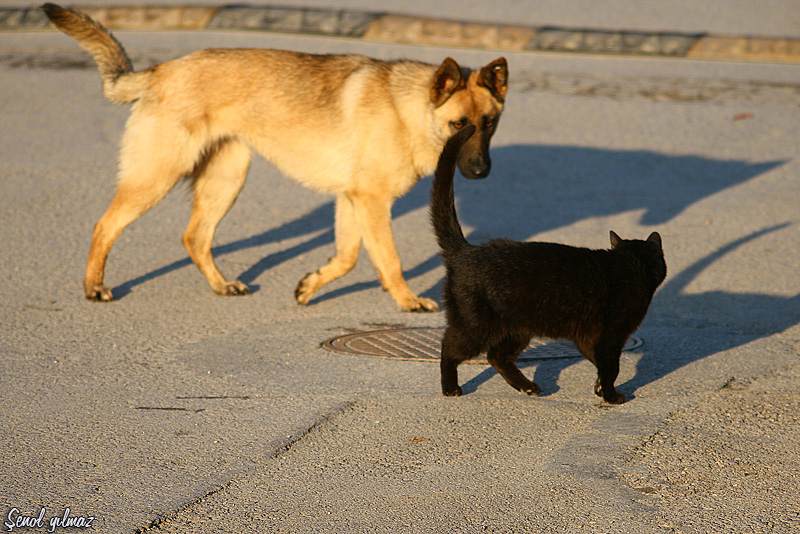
(173, 410)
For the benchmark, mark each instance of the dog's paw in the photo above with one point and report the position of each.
(305, 289)
(99, 293)
(234, 288)
(420, 305)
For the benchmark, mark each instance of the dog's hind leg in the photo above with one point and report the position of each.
(218, 179)
(348, 243)
(152, 160)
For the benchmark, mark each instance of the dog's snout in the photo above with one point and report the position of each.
(481, 169)
(476, 168)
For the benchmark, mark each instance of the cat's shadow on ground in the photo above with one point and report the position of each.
(534, 189)
(537, 189)
(763, 315)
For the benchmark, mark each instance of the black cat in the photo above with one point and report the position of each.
(500, 294)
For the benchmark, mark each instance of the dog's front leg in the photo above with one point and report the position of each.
(348, 243)
(373, 213)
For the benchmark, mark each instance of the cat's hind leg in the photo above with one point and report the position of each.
(503, 357)
(456, 348)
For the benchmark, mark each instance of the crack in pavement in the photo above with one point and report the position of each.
(283, 449)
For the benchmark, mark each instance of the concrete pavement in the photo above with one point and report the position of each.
(173, 410)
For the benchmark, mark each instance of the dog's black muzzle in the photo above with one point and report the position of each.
(475, 169)
(473, 160)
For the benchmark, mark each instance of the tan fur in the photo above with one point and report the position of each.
(362, 129)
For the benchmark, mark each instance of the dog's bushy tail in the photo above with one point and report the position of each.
(443, 211)
(120, 83)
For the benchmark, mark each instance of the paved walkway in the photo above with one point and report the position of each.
(173, 410)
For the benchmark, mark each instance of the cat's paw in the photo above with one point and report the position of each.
(532, 390)
(452, 392)
(614, 398)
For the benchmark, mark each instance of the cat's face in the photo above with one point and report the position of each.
(650, 251)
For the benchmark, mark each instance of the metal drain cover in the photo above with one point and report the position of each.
(423, 344)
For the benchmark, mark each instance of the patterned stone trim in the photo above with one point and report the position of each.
(390, 28)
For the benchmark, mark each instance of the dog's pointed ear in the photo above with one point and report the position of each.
(615, 239)
(446, 81)
(494, 77)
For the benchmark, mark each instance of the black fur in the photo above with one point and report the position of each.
(500, 294)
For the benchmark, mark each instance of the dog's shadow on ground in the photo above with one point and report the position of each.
(534, 189)
(312, 223)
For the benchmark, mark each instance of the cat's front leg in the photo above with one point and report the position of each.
(607, 353)
(614, 396)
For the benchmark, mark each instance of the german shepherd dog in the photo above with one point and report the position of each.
(363, 129)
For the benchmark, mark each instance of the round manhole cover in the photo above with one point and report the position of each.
(423, 344)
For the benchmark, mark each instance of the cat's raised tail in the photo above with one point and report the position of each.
(443, 211)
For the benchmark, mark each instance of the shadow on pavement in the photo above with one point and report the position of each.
(534, 189)
(751, 315)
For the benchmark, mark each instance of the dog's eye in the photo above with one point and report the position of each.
(488, 122)
(459, 123)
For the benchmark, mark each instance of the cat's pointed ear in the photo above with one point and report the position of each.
(655, 237)
(615, 239)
